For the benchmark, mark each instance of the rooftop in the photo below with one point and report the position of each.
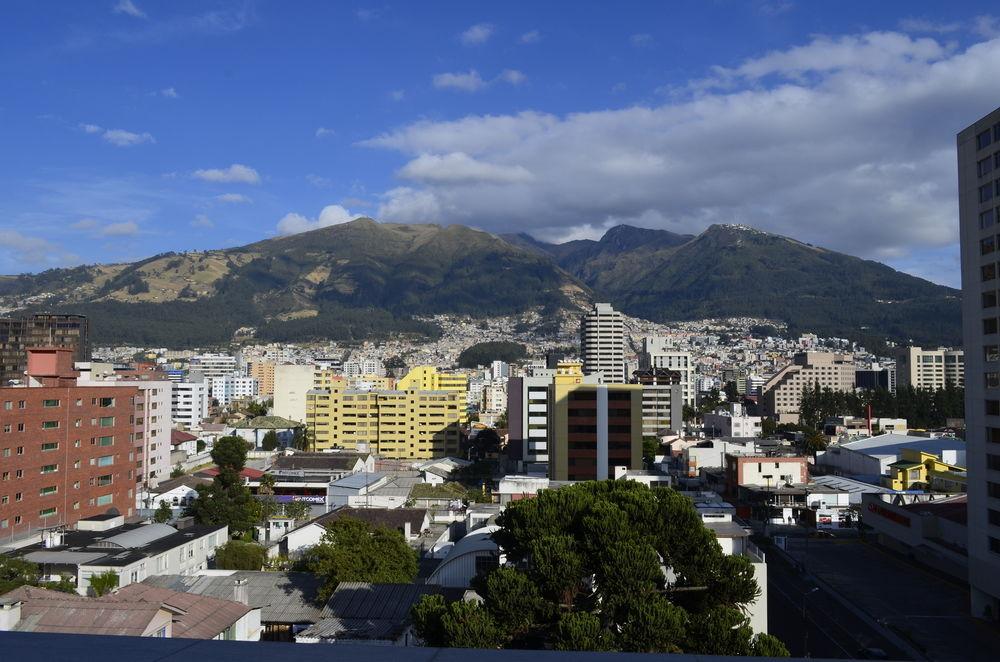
(359, 610)
(201, 617)
(318, 461)
(393, 518)
(893, 444)
(266, 423)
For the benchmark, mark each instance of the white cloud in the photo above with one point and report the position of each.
(469, 81)
(477, 34)
(844, 142)
(123, 229)
(397, 95)
(123, 138)
(237, 173)
(319, 182)
(512, 76)
(530, 37)
(19, 251)
(202, 221)
(233, 198)
(925, 25)
(641, 40)
(85, 224)
(457, 167)
(986, 26)
(293, 223)
(323, 132)
(118, 137)
(128, 7)
(169, 93)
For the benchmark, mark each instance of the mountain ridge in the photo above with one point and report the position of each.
(331, 280)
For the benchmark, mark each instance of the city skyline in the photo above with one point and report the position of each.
(144, 127)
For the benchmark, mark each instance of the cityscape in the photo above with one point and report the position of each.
(559, 386)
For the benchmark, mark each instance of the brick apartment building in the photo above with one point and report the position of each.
(66, 451)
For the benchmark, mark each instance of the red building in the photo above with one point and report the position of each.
(66, 451)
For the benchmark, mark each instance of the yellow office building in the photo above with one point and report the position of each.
(400, 424)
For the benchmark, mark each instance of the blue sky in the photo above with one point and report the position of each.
(129, 128)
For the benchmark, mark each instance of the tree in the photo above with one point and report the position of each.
(16, 572)
(586, 572)
(767, 426)
(255, 409)
(650, 449)
(66, 584)
(164, 513)
(502, 421)
(485, 353)
(732, 394)
(104, 583)
(270, 440)
(239, 555)
(813, 442)
(200, 446)
(177, 471)
(227, 500)
(355, 551)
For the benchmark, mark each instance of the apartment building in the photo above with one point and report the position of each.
(66, 451)
(782, 394)
(212, 365)
(592, 427)
(227, 388)
(401, 424)
(263, 372)
(189, 403)
(429, 378)
(658, 352)
(291, 383)
(732, 421)
(930, 368)
(978, 199)
(355, 367)
(662, 400)
(602, 343)
(18, 334)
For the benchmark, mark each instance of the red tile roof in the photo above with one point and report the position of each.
(179, 437)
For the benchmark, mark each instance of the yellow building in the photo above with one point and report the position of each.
(263, 372)
(918, 470)
(400, 424)
(429, 378)
(372, 382)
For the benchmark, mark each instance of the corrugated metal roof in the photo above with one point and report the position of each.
(138, 537)
(43, 610)
(283, 597)
(64, 558)
(359, 610)
(204, 617)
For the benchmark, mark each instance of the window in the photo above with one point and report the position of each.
(105, 441)
(989, 326)
(50, 425)
(18, 496)
(105, 460)
(984, 167)
(986, 192)
(994, 517)
(987, 245)
(47, 512)
(20, 450)
(994, 545)
(107, 421)
(8, 405)
(45, 491)
(107, 402)
(984, 139)
(986, 219)
(989, 299)
(50, 446)
(50, 403)
(993, 407)
(21, 404)
(103, 500)
(50, 468)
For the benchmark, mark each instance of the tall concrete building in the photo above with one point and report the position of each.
(662, 401)
(291, 383)
(978, 189)
(189, 402)
(18, 334)
(263, 372)
(658, 352)
(213, 365)
(782, 394)
(930, 368)
(602, 343)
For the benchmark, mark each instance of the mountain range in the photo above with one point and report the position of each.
(365, 279)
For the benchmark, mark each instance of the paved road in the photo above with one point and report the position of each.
(828, 630)
(927, 610)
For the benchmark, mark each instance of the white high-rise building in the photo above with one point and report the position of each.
(602, 343)
(189, 402)
(227, 388)
(978, 199)
(291, 383)
(930, 368)
(659, 352)
(356, 367)
(212, 365)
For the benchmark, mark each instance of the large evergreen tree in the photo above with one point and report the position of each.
(609, 565)
(227, 500)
